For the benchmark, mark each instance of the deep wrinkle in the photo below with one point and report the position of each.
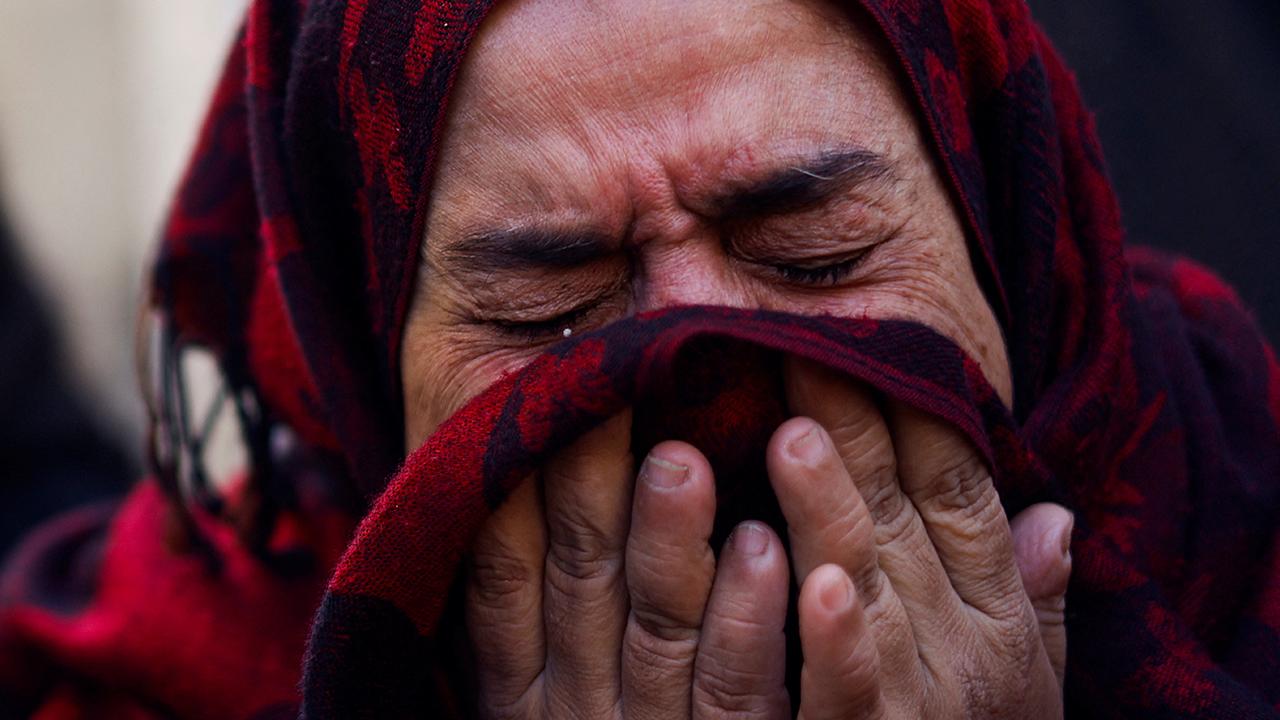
(711, 169)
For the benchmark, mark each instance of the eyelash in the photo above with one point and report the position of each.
(821, 275)
(540, 330)
(824, 275)
(535, 330)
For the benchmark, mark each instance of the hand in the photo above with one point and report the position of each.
(916, 600)
(591, 613)
(588, 602)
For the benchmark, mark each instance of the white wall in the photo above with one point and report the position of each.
(99, 104)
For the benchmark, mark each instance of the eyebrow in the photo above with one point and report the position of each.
(794, 188)
(515, 248)
(803, 185)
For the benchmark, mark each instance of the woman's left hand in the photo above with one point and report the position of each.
(916, 599)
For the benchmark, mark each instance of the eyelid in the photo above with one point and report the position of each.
(549, 327)
(535, 327)
(828, 274)
(834, 239)
(800, 261)
(827, 242)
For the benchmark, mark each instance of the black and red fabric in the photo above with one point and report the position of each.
(1146, 400)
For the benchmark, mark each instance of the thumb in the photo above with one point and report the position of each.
(1042, 549)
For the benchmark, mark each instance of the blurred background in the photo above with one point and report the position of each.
(100, 101)
(99, 104)
(1187, 99)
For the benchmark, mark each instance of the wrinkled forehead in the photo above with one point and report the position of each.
(586, 36)
(608, 56)
(557, 90)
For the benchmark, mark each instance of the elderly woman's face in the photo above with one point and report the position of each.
(610, 157)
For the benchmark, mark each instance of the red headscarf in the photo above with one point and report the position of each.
(1146, 401)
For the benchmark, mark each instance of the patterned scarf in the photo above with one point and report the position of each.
(1146, 400)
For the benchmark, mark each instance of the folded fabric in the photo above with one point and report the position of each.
(372, 646)
(158, 631)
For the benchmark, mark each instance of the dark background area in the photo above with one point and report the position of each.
(54, 453)
(1187, 99)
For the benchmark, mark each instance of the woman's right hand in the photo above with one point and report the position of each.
(603, 599)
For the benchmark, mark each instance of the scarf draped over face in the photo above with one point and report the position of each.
(1145, 399)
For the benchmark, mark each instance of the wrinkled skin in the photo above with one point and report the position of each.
(755, 154)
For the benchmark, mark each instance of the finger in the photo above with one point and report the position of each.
(587, 489)
(952, 489)
(741, 663)
(504, 605)
(1042, 549)
(841, 676)
(828, 522)
(849, 414)
(826, 516)
(669, 573)
(915, 605)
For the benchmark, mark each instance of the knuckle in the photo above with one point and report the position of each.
(582, 561)
(908, 538)
(494, 705)
(595, 526)
(737, 619)
(500, 580)
(670, 607)
(1051, 613)
(582, 545)
(498, 710)
(963, 484)
(1015, 642)
(732, 639)
(729, 673)
(651, 560)
(668, 586)
(897, 524)
(880, 491)
(574, 587)
(1007, 604)
(730, 687)
(652, 658)
(858, 432)
(668, 625)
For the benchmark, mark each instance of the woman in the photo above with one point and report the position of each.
(664, 229)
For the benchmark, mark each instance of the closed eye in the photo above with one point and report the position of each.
(820, 273)
(542, 329)
(537, 310)
(829, 274)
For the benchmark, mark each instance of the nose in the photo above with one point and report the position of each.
(694, 271)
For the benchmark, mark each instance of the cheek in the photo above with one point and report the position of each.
(442, 369)
(922, 276)
(936, 286)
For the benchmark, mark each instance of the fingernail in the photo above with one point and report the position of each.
(808, 447)
(837, 596)
(663, 473)
(751, 539)
(1064, 540)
